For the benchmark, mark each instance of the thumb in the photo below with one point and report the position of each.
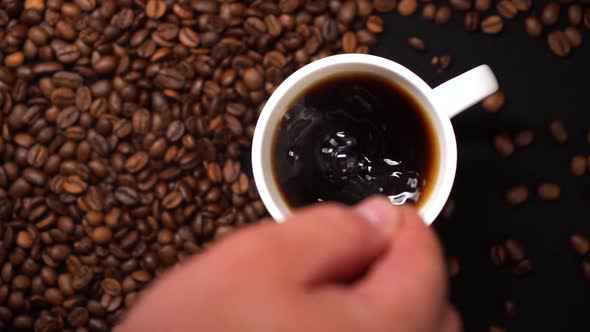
(409, 281)
(324, 243)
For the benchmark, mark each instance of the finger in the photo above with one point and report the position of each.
(409, 280)
(324, 243)
(451, 322)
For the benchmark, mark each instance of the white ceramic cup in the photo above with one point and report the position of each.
(440, 104)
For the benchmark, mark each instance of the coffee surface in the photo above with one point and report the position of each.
(352, 136)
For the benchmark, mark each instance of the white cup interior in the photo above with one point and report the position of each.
(339, 65)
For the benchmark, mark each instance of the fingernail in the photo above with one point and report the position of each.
(382, 214)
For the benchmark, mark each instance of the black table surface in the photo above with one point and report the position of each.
(539, 87)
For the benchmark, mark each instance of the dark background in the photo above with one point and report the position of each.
(539, 87)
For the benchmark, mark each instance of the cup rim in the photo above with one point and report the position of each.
(446, 169)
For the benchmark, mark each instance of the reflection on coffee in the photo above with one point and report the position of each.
(352, 136)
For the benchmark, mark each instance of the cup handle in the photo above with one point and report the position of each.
(465, 90)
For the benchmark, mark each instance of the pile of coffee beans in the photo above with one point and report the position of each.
(123, 130)
(562, 22)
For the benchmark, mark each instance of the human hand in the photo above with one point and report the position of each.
(373, 267)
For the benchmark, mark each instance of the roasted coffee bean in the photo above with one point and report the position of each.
(445, 62)
(559, 43)
(137, 162)
(428, 11)
(111, 287)
(533, 27)
(549, 191)
(515, 250)
(67, 117)
(169, 78)
(102, 235)
(14, 60)
(349, 42)
(330, 30)
(574, 36)
(111, 303)
(524, 138)
(37, 155)
(175, 131)
(67, 54)
(188, 37)
(214, 172)
(580, 244)
(231, 171)
(347, 12)
(586, 269)
(492, 24)
(158, 148)
(375, 24)
(253, 79)
(578, 165)
(86, 5)
(24, 239)
(34, 176)
(19, 188)
(67, 79)
(63, 97)
(74, 185)
(498, 254)
(453, 267)
(97, 325)
(417, 44)
(126, 196)
(460, 5)
(509, 308)
(99, 145)
(483, 5)
(384, 6)
(443, 15)
(23, 323)
(558, 131)
(575, 14)
(167, 255)
(550, 13)
(507, 9)
(517, 195)
(407, 7)
(24, 140)
(105, 65)
(78, 317)
(471, 21)
(155, 9)
(522, 267)
(523, 5)
(83, 98)
(172, 200)
(53, 296)
(504, 145)
(494, 102)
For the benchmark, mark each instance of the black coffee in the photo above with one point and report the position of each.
(349, 137)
